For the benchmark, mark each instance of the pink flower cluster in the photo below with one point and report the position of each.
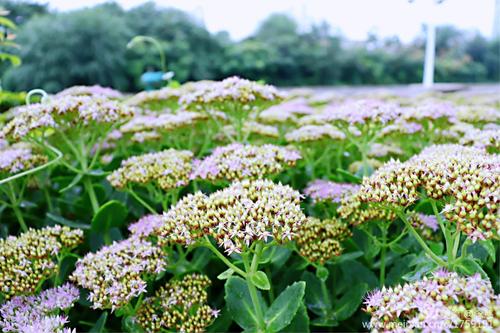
(239, 161)
(444, 302)
(39, 313)
(323, 190)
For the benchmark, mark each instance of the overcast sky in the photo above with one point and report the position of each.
(353, 18)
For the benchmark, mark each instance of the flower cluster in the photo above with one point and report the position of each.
(250, 127)
(162, 122)
(118, 272)
(401, 126)
(444, 302)
(236, 216)
(238, 161)
(356, 212)
(27, 260)
(286, 112)
(468, 175)
(361, 111)
(179, 306)
(357, 167)
(381, 150)
(427, 224)
(248, 211)
(169, 169)
(19, 157)
(185, 222)
(320, 240)
(39, 313)
(484, 138)
(478, 114)
(431, 110)
(314, 133)
(323, 190)
(148, 98)
(95, 90)
(233, 89)
(64, 113)
(146, 225)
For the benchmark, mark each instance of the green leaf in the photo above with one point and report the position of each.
(469, 266)
(6, 22)
(322, 273)
(355, 271)
(226, 274)
(365, 243)
(67, 266)
(397, 248)
(490, 248)
(350, 301)
(130, 325)
(75, 181)
(361, 171)
(280, 255)
(316, 299)
(349, 176)
(14, 60)
(111, 214)
(347, 256)
(397, 271)
(325, 322)
(99, 325)
(201, 258)
(239, 303)
(260, 280)
(436, 247)
(300, 323)
(222, 323)
(66, 222)
(284, 308)
(424, 266)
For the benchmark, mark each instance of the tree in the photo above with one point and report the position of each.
(81, 47)
(22, 11)
(191, 51)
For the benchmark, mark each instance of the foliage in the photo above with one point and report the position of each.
(278, 52)
(190, 219)
(89, 48)
(10, 99)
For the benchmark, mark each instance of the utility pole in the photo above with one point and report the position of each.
(496, 20)
(430, 45)
(430, 55)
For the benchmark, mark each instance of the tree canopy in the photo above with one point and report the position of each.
(88, 46)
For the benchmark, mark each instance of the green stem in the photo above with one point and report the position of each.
(20, 218)
(89, 188)
(456, 243)
(48, 199)
(142, 202)
(219, 255)
(465, 245)
(383, 251)
(220, 128)
(397, 239)
(419, 239)
(251, 287)
(15, 207)
(444, 230)
(57, 279)
(59, 155)
(271, 289)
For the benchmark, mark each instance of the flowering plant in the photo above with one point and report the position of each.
(230, 206)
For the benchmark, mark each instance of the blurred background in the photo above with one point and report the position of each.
(287, 43)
